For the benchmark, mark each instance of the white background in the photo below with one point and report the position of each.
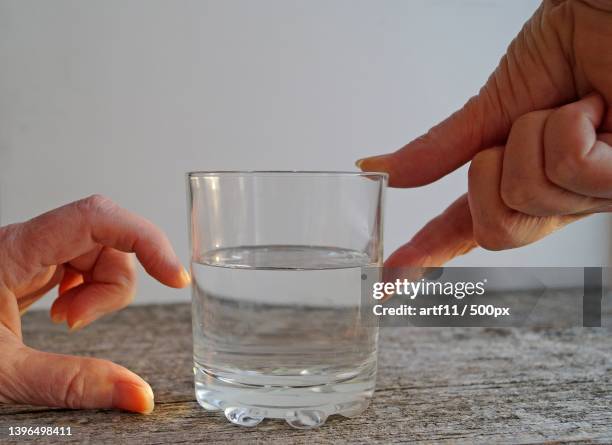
(123, 97)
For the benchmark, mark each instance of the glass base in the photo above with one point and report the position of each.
(302, 407)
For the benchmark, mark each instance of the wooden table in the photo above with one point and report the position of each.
(443, 385)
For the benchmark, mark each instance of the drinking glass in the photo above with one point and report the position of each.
(276, 260)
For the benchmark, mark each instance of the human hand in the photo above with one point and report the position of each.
(84, 247)
(538, 135)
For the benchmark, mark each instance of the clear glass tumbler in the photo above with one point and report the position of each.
(276, 260)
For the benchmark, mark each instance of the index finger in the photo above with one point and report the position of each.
(67, 232)
(520, 84)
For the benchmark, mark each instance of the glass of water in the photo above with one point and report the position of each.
(276, 261)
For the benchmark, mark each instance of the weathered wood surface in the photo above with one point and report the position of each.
(435, 385)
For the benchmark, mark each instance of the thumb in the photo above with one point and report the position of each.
(41, 378)
(521, 83)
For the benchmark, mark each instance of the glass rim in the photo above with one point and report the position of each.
(330, 173)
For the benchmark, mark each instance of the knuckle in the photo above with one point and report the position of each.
(475, 167)
(481, 163)
(484, 239)
(74, 389)
(495, 233)
(564, 158)
(562, 168)
(566, 114)
(523, 120)
(516, 197)
(530, 120)
(130, 268)
(484, 157)
(529, 202)
(126, 280)
(9, 388)
(95, 204)
(11, 237)
(493, 240)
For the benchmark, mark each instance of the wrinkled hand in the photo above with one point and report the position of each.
(538, 135)
(85, 248)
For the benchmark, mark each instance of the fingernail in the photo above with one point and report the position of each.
(76, 325)
(371, 163)
(185, 276)
(133, 397)
(58, 318)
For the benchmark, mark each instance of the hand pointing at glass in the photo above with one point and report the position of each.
(538, 137)
(83, 247)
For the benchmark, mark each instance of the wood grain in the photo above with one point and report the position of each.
(435, 385)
